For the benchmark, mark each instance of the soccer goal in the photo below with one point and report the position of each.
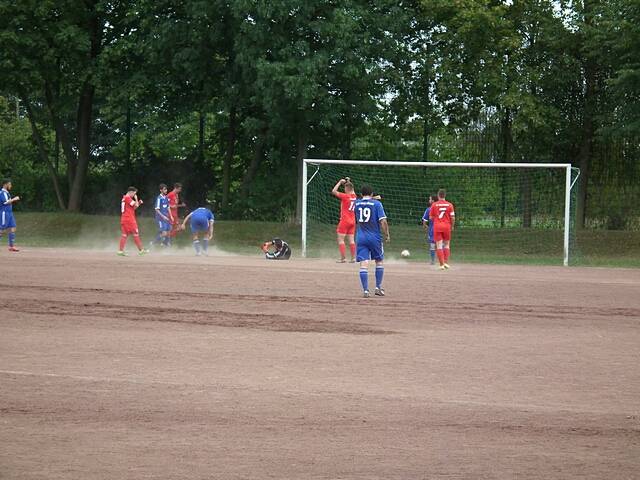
(505, 212)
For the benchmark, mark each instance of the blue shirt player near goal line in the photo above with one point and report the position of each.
(372, 225)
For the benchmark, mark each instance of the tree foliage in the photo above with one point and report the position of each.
(228, 97)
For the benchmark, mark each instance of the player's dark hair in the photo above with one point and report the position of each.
(348, 185)
(162, 186)
(132, 189)
(442, 193)
(5, 181)
(434, 198)
(177, 185)
(366, 190)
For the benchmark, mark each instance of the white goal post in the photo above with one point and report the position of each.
(569, 184)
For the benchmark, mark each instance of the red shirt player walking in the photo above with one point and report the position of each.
(174, 204)
(347, 226)
(128, 222)
(443, 217)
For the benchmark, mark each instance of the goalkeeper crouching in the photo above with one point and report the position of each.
(281, 251)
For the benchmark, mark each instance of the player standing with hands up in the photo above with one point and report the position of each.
(372, 225)
(347, 226)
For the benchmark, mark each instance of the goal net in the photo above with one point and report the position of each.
(505, 213)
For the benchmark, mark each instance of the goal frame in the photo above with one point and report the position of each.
(385, 163)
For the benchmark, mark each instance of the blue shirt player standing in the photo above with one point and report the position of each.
(428, 226)
(7, 222)
(164, 220)
(201, 222)
(372, 225)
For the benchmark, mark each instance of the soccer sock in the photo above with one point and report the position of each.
(158, 238)
(196, 245)
(379, 275)
(352, 247)
(138, 242)
(433, 255)
(343, 250)
(12, 238)
(205, 245)
(440, 256)
(364, 278)
(123, 242)
(447, 252)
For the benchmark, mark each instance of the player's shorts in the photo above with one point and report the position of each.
(129, 228)
(346, 227)
(7, 220)
(442, 235)
(163, 226)
(369, 250)
(198, 225)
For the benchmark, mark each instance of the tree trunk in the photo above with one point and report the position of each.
(588, 129)
(85, 117)
(128, 138)
(43, 154)
(62, 134)
(303, 143)
(250, 174)
(228, 158)
(85, 112)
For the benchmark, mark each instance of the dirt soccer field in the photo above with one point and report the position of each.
(227, 367)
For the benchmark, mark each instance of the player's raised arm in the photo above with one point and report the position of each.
(335, 192)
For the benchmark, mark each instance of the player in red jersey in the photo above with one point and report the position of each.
(174, 204)
(128, 223)
(443, 217)
(347, 226)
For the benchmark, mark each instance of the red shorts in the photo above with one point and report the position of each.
(346, 227)
(129, 228)
(442, 235)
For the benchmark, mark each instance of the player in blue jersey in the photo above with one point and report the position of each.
(372, 225)
(428, 227)
(201, 222)
(7, 222)
(164, 219)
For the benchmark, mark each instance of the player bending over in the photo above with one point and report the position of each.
(174, 203)
(443, 217)
(347, 225)
(372, 224)
(164, 218)
(282, 250)
(201, 223)
(128, 222)
(428, 228)
(7, 221)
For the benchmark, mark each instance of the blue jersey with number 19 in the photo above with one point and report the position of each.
(369, 212)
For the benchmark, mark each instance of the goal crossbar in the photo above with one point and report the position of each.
(374, 163)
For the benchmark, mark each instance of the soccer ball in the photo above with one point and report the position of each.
(405, 254)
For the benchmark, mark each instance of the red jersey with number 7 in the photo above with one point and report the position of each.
(347, 203)
(441, 214)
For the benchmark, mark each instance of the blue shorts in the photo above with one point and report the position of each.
(7, 220)
(198, 225)
(163, 225)
(370, 250)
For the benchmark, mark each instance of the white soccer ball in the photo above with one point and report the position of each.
(405, 254)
